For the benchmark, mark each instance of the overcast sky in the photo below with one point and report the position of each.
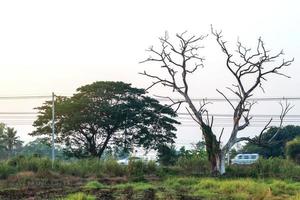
(59, 45)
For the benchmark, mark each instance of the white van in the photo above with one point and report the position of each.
(244, 159)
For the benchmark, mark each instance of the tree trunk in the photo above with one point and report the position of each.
(222, 164)
(100, 153)
(213, 150)
(217, 162)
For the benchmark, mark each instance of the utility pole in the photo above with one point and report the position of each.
(53, 129)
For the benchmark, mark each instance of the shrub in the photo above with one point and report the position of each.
(112, 168)
(151, 167)
(136, 170)
(193, 165)
(6, 170)
(293, 150)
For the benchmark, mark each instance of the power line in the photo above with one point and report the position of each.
(230, 115)
(25, 97)
(161, 99)
(235, 99)
(19, 113)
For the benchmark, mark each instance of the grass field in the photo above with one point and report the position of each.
(33, 178)
(29, 185)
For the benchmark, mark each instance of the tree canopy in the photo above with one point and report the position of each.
(106, 114)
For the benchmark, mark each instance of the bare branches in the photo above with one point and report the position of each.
(178, 61)
(255, 64)
(221, 134)
(250, 68)
(178, 103)
(184, 59)
(226, 99)
(204, 112)
(285, 108)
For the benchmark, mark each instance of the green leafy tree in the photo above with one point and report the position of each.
(107, 114)
(275, 148)
(293, 150)
(9, 141)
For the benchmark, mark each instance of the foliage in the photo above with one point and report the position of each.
(30, 163)
(137, 169)
(193, 165)
(107, 114)
(91, 167)
(6, 170)
(41, 147)
(266, 168)
(198, 151)
(293, 150)
(276, 148)
(10, 143)
(194, 161)
(167, 155)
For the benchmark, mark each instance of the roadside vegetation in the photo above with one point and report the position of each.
(188, 178)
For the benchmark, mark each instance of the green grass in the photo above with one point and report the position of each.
(136, 186)
(95, 185)
(79, 196)
(235, 189)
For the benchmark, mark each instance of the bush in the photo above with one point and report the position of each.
(193, 165)
(6, 170)
(293, 150)
(112, 168)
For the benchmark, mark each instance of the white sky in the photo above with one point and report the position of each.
(59, 45)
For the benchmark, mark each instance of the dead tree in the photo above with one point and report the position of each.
(180, 61)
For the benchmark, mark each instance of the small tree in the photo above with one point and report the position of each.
(9, 141)
(180, 61)
(106, 114)
(293, 150)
